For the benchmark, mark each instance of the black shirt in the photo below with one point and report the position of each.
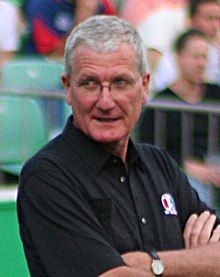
(79, 210)
(173, 129)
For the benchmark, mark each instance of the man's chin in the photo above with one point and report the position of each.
(107, 138)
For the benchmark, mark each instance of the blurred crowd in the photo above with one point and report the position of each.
(182, 39)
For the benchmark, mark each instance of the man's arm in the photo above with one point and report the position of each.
(201, 258)
(128, 272)
(199, 261)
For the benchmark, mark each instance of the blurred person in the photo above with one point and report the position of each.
(159, 29)
(206, 17)
(203, 15)
(93, 203)
(9, 34)
(191, 50)
(51, 20)
(22, 23)
(138, 11)
(157, 21)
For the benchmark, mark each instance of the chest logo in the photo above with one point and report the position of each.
(168, 204)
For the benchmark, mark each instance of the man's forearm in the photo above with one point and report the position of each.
(126, 271)
(199, 261)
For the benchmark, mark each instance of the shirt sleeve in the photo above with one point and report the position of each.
(60, 232)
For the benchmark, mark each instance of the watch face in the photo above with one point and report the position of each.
(157, 267)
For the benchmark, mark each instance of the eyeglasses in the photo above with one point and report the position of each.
(119, 85)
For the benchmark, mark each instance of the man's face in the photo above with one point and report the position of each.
(106, 115)
(207, 19)
(192, 60)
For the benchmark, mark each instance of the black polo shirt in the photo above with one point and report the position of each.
(79, 210)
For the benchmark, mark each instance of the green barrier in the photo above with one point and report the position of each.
(12, 260)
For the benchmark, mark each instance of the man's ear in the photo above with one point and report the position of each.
(145, 88)
(65, 80)
(66, 83)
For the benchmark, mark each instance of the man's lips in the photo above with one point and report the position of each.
(101, 119)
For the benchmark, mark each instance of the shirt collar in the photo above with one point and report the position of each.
(91, 151)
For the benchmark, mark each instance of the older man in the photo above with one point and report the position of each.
(92, 202)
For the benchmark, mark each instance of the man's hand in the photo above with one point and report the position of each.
(138, 259)
(198, 230)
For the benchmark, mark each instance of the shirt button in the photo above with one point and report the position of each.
(143, 220)
(122, 179)
(115, 160)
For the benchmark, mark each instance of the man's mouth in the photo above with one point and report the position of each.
(107, 119)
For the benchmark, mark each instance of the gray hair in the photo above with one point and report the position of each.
(106, 34)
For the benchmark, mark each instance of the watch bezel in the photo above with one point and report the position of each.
(157, 267)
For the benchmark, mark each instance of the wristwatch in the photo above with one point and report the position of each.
(157, 266)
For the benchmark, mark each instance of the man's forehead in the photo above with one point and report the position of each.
(121, 48)
(123, 56)
(208, 7)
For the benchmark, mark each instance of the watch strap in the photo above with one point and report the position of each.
(156, 265)
(154, 255)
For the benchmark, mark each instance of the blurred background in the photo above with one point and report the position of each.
(182, 40)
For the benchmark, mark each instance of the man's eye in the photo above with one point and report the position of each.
(120, 82)
(88, 83)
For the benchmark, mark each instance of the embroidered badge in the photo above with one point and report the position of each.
(168, 204)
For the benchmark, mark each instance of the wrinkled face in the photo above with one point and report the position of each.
(192, 60)
(107, 114)
(207, 19)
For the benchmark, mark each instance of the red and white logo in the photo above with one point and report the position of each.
(168, 204)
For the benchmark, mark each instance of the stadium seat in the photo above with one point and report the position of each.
(23, 131)
(32, 74)
(34, 77)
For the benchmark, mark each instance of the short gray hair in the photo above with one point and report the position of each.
(106, 34)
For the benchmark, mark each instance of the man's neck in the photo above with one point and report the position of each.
(118, 149)
(188, 91)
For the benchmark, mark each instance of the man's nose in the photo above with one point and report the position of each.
(105, 99)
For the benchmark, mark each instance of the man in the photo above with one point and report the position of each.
(191, 53)
(203, 15)
(93, 203)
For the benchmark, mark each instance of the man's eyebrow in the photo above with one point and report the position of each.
(93, 76)
(86, 76)
(123, 75)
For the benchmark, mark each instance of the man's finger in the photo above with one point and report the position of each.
(188, 229)
(197, 228)
(216, 235)
(206, 230)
